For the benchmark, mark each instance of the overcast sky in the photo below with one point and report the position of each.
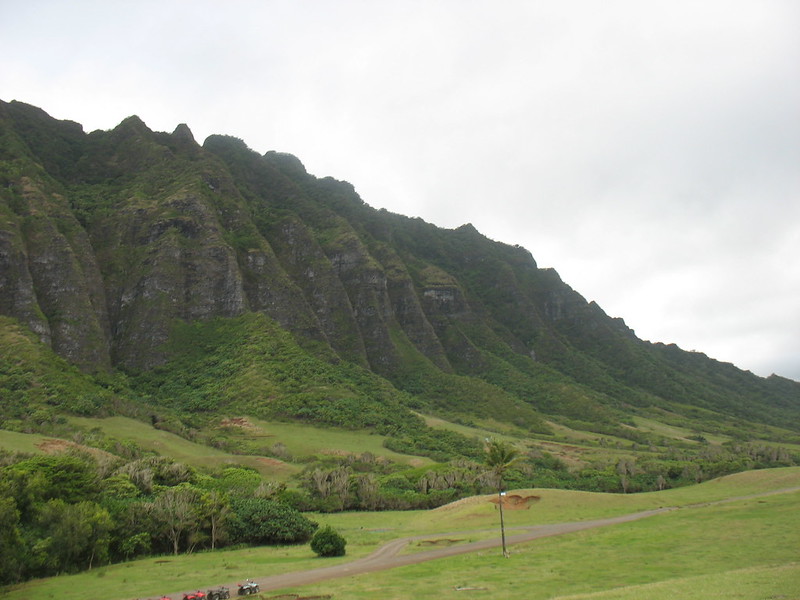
(648, 151)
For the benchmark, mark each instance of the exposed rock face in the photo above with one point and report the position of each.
(166, 262)
(18, 297)
(58, 289)
(365, 283)
(124, 232)
(321, 288)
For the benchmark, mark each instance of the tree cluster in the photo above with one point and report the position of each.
(69, 512)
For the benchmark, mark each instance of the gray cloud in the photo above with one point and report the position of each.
(648, 151)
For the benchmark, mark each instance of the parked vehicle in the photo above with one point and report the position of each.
(221, 593)
(198, 595)
(248, 587)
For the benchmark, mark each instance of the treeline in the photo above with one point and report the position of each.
(367, 483)
(69, 512)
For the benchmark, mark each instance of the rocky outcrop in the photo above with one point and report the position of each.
(165, 261)
(322, 289)
(18, 298)
(366, 286)
(53, 280)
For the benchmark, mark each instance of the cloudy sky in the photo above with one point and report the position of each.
(648, 151)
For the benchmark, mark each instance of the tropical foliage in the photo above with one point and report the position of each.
(68, 512)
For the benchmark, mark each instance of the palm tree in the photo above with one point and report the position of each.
(500, 457)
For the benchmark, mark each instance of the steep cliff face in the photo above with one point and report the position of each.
(50, 278)
(110, 239)
(66, 279)
(320, 286)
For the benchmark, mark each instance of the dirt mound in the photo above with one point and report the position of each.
(241, 422)
(516, 502)
(439, 542)
(510, 501)
(273, 462)
(56, 446)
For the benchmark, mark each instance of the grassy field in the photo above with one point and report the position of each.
(300, 440)
(718, 544)
(21, 442)
(180, 449)
(305, 440)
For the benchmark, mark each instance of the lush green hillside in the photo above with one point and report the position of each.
(112, 240)
(146, 275)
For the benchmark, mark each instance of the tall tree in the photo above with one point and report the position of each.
(216, 509)
(500, 457)
(175, 513)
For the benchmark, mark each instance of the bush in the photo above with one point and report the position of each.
(327, 542)
(262, 521)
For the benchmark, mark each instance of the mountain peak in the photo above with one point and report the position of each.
(183, 133)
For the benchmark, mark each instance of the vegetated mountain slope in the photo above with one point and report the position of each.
(111, 240)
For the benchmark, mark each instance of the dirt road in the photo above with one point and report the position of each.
(388, 556)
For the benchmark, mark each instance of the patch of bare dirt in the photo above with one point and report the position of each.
(510, 501)
(56, 446)
(516, 502)
(240, 422)
(439, 542)
(272, 462)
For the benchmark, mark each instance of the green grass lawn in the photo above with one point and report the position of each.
(745, 549)
(20, 442)
(781, 581)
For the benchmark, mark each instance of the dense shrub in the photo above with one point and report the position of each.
(262, 521)
(327, 542)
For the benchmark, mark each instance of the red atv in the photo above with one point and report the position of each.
(198, 595)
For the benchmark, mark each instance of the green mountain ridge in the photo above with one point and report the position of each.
(211, 280)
